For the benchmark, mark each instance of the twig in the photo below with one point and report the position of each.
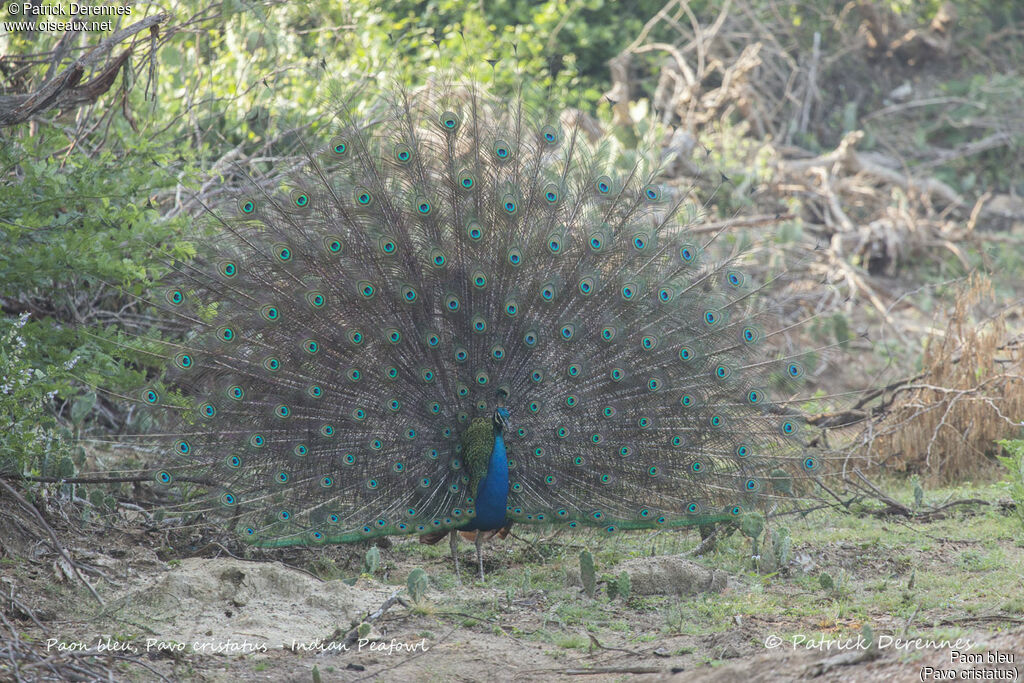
(706, 543)
(53, 537)
(596, 644)
(812, 83)
(982, 618)
(353, 635)
(752, 222)
(604, 670)
(63, 89)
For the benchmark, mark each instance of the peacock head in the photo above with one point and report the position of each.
(501, 414)
(501, 419)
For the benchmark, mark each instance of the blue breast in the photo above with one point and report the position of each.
(492, 493)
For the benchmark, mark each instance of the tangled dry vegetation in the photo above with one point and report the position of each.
(945, 421)
(863, 143)
(878, 142)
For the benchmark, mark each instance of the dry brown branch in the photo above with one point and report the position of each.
(63, 90)
(736, 223)
(889, 36)
(353, 634)
(879, 210)
(944, 423)
(848, 161)
(69, 565)
(29, 659)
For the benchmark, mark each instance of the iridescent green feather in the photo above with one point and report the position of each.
(477, 443)
(351, 327)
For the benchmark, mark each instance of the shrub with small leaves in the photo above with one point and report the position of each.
(611, 586)
(587, 575)
(617, 586)
(776, 551)
(29, 438)
(783, 546)
(371, 563)
(417, 584)
(1014, 462)
(624, 585)
(752, 525)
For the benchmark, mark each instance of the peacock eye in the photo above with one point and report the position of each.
(447, 271)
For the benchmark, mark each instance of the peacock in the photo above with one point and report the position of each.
(459, 313)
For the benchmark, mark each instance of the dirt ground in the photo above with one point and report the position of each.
(214, 617)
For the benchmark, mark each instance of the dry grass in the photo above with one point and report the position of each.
(944, 422)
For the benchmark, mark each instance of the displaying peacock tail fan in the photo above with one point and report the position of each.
(452, 253)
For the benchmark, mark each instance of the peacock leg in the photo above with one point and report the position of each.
(479, 553)
(453, 541)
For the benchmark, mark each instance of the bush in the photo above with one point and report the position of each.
(1014, 462)
(29, 441)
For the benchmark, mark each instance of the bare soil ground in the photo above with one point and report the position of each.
(943, 594)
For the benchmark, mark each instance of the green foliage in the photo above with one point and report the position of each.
(987, 98)
(775, 552)
(29, 441)
(572, 38)
(94, 205)
(610, 586)
(371, 562)
(587, 574)
(841, 328)
(868, 634)
(915, 484)
(752, 524)
(783, 545)
(838, 585)
(77, 254)
(618, 586)
(417, 584)
(1014, 462)
(625, 585)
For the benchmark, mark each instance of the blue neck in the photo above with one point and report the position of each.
(492, 493)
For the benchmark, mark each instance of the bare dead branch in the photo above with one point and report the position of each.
(62, 90)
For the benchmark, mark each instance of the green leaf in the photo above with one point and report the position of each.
(82, 406)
